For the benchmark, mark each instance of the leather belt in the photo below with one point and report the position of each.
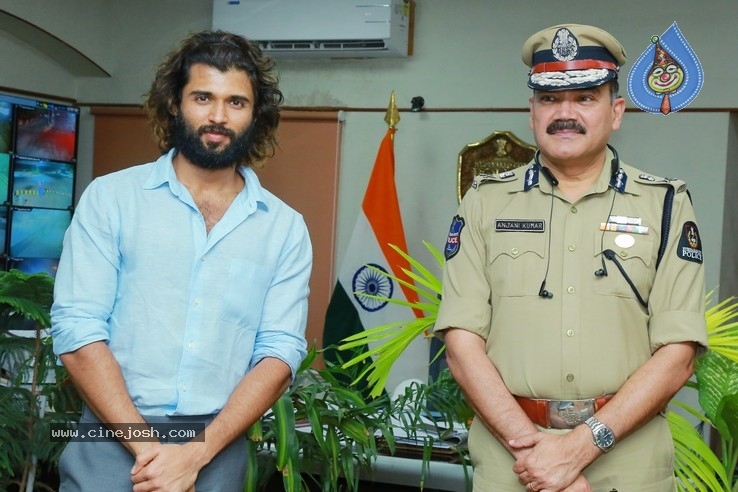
(560, 414)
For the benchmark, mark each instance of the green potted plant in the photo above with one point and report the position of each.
(697, 467)
(34, 390)
(320, 433)
(324, 434)
(716, 384)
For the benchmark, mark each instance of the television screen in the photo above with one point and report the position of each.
(46, 131)
(4, 177)
(36, 265)
(39, 183)
(6, 121)
(37, 232)
(3, 229)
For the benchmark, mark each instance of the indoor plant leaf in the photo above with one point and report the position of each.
(695, 462)
(717, 378)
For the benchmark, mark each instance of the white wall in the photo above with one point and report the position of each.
(467, 52)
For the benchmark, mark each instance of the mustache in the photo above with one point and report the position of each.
(220, 129)
(559, 125)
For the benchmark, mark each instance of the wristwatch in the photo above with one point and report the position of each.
(604, 437)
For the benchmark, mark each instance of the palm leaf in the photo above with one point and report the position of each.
(386, 343)
(26, 296)
(722, 327)
(697, 468)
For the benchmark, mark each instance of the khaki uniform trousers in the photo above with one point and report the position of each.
(643, 462)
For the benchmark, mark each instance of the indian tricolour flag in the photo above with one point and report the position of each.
(378, 226)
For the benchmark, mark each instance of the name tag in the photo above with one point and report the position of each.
(516, 225)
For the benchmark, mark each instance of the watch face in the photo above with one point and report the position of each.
(605, 438)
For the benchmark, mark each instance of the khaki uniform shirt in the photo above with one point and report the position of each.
(514, 231)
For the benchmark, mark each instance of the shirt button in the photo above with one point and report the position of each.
(184, 388)
(570, 289)
(196, 301)
(623, 254)
(572, 247)
(570, 377)
(514, 251)
(569, 333)
(190, 345)
(573, 209)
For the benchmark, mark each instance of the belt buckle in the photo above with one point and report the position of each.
(567, 414)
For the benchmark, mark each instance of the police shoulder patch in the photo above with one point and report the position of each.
(690, 243)
(453, 242)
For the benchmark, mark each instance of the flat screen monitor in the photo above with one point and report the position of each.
(36, 265)
(3, 230)
(37, 232)
(6, 126)
(40, 183)
(4, 177)
(46, 131)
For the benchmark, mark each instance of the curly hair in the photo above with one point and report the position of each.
(223, 51)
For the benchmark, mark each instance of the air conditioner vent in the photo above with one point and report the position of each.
(332, 45)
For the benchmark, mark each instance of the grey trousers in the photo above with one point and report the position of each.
(105, 465)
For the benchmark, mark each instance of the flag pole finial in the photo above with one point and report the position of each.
(392, 117)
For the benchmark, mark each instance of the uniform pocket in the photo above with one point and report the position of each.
(634, 253)
(516, 263)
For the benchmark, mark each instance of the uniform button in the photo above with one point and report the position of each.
(570, 289)
(515, 251)
(569, 333)
(573, 209)
(572, 247)
(570, 377)
(623, 254)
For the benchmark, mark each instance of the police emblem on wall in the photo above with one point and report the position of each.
(453, 242)
(667, 76)
(372, 280)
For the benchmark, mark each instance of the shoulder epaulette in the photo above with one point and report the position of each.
(503, 177)
(649, 179)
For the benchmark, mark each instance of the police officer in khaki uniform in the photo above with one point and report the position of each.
(573, 292)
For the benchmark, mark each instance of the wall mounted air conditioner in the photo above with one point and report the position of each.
(321, 28)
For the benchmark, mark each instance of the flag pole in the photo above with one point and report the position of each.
(392, 117)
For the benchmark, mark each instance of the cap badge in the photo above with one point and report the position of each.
(564, 46)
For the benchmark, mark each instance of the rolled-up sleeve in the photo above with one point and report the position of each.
(86, 280)
(466, 288)
(677, 300)
(281, 333)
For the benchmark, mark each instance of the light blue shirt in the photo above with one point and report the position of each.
(185, 313)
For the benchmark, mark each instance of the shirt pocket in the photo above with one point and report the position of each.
(635, 255)
(245, 291)
(516, 263)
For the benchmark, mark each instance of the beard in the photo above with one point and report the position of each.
(188, 140)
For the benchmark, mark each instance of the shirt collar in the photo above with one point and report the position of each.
(617, 178)
(252, 195)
